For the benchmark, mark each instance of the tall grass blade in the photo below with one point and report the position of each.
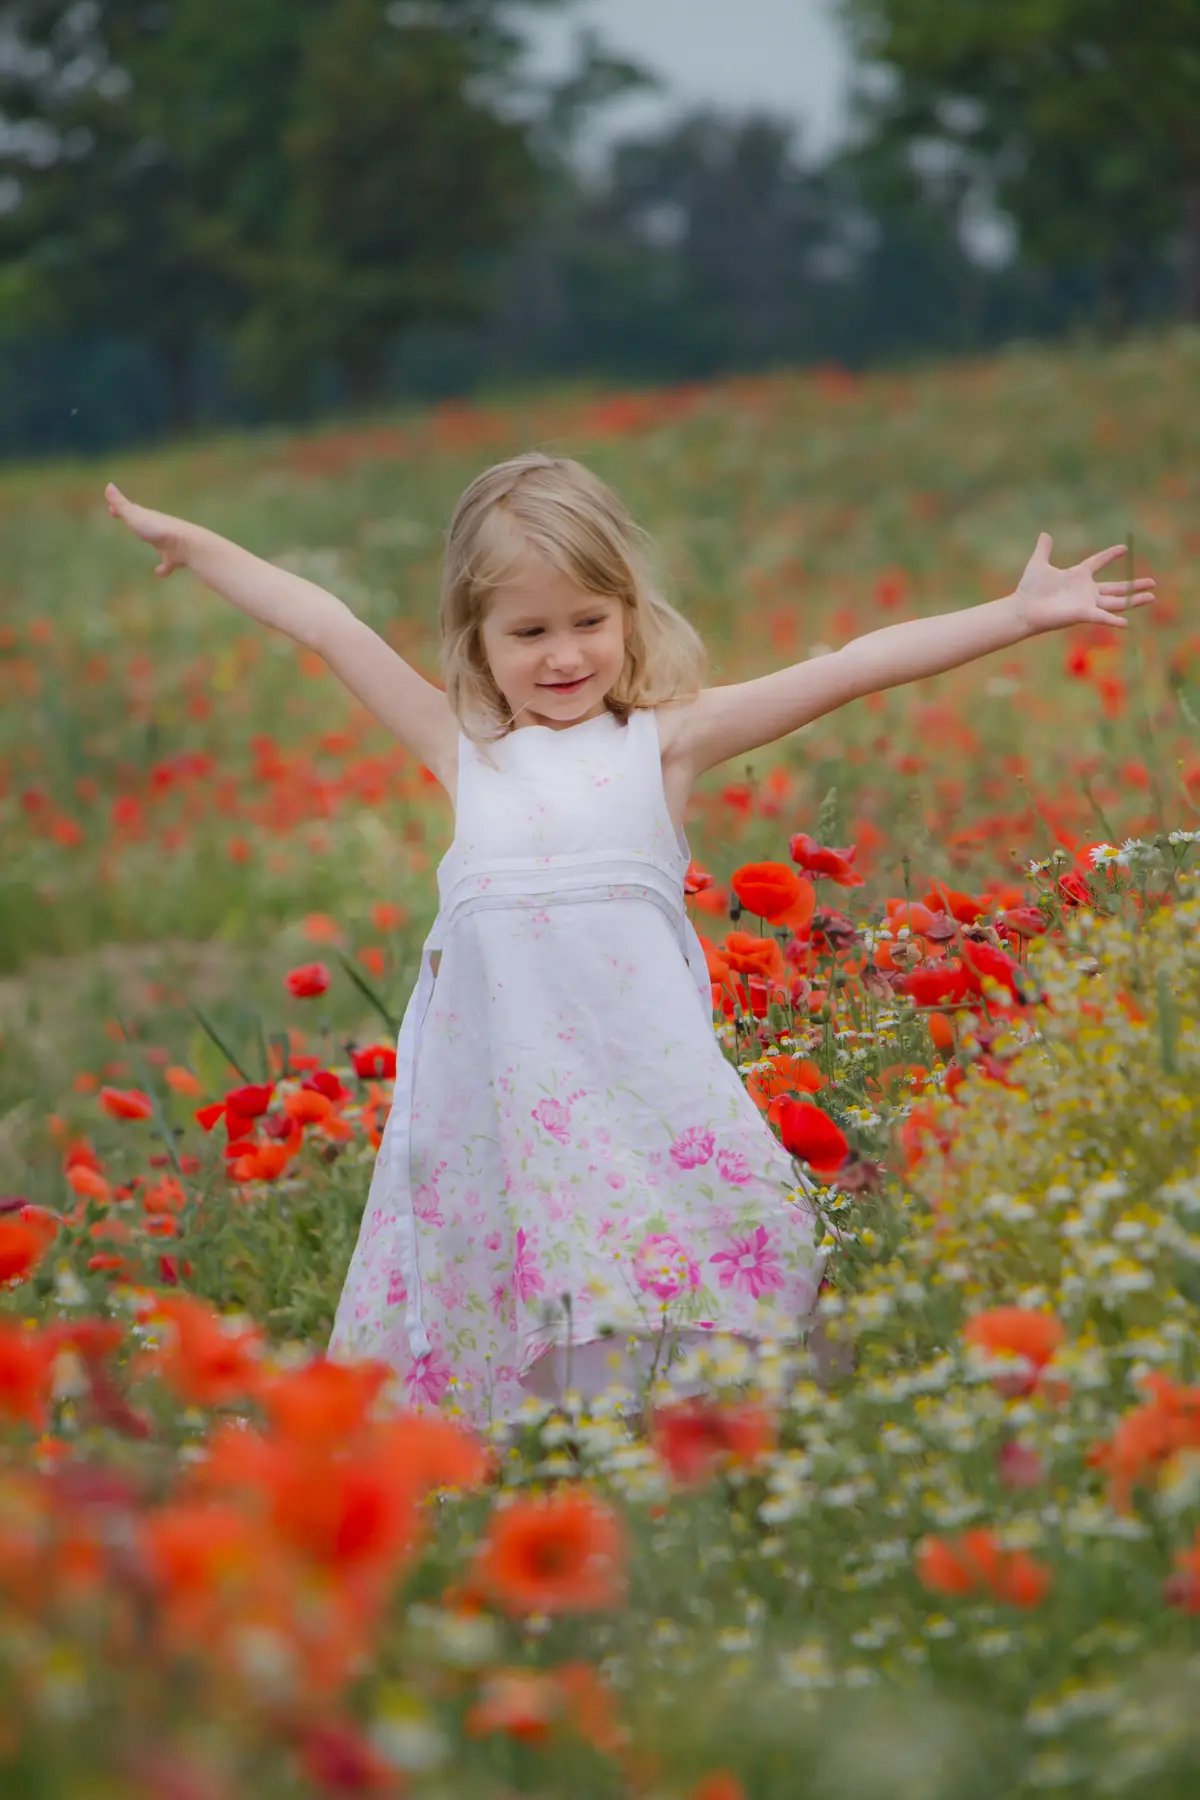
(208, 1026)
(368, 993)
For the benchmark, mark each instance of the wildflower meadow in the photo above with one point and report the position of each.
(953, 933)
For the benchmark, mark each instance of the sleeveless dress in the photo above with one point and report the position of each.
(568, 1153)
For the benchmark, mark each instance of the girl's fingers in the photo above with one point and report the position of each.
(1143, 584)
(1110, 603)
(1103, 557)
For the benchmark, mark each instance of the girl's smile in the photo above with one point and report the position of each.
(539, 618)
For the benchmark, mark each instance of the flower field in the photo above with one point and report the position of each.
(954, 939)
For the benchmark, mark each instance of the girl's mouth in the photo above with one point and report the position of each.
(564, 687)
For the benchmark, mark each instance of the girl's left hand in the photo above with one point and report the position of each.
(1048, 598)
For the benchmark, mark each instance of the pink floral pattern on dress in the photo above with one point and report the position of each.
(693, 1148)
(569, 1154)
(662, 1267)
(752, 1267)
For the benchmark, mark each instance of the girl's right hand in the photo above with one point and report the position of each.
(158, 529)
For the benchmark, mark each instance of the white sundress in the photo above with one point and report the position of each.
(563, 1121)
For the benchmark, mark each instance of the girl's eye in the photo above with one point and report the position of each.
(533, 630)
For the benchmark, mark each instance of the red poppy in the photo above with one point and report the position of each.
(816, 860)
(695, 1438)
(375, 1062)
(983, 963)
(1021, 922)
(307, 981)
(348, 1513)
(240, 1107)
(809, 1133)
(934, 984)
(891, 589)
(252, 1101)
(26, 1373)
(338, 1759)
(966, 908)
(1074, 888)
(21, 1248)
(126, 1103)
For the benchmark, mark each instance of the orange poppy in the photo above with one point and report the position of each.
(322, 928)
(1017, 1331)
(205, 1363)
(264, 1162)
(522, 1703)
(427, 1453)
(84, 1180)
(307, 1106)
(774, 892)
(563, 1553)
(750, 955)
(182, 1081)
(785, 1075)
(1148, 1437)
(592, 1707)
(194, 1546)
(911, 913)
(720, 1785)
(322, 1402)
(976, 1563)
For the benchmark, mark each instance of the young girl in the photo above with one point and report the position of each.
(570, 1165)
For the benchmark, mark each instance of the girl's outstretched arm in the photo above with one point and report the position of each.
(411, 708)
(264, 591)
(730, 721)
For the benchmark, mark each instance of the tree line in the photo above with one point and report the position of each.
(218, 213)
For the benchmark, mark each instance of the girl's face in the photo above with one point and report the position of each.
(541, 632)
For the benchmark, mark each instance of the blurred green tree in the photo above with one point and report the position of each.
(305, 178)
(1080, 117)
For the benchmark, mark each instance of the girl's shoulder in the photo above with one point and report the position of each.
(672, 717)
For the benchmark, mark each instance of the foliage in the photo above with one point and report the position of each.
(968, 1566)
(306, 179)
(1078, 114)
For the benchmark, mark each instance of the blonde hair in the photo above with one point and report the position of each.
(566, 514)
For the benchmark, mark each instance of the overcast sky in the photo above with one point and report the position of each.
(786, 55)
